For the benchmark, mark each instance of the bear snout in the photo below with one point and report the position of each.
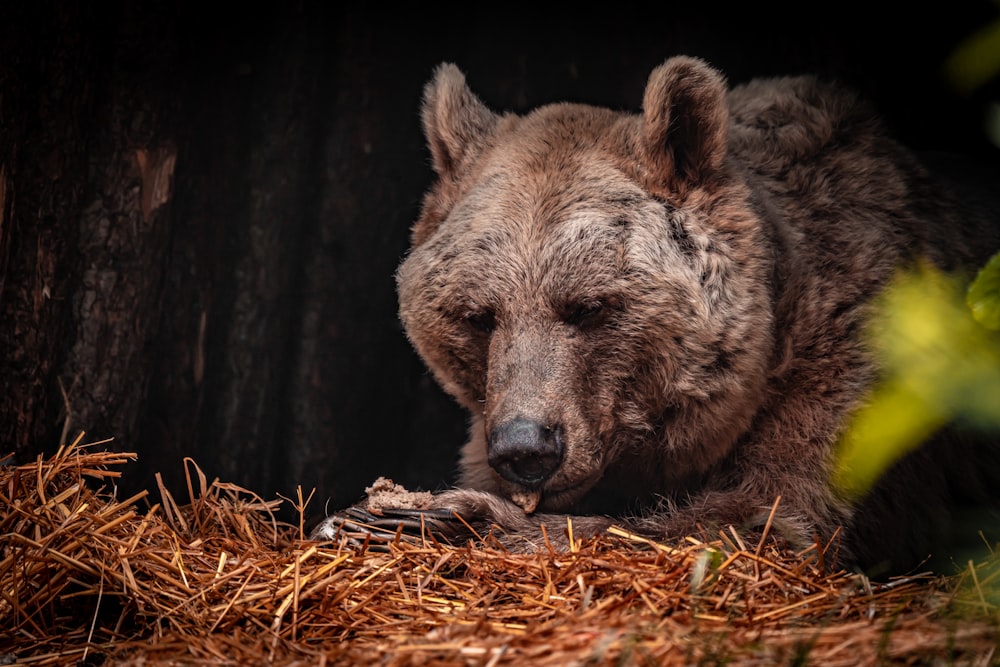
(525, 452)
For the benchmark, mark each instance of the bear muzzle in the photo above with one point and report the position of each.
(526, 452)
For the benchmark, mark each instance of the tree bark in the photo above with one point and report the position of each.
(47, 108)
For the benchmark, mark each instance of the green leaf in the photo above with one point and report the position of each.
(939, 361)
(983, 296)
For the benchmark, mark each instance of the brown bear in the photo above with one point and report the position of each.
(654, 320)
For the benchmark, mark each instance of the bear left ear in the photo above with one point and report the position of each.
(685, 121)
(456, 123)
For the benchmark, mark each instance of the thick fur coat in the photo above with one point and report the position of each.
(654, 319)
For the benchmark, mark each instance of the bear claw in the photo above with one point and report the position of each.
(359, 527)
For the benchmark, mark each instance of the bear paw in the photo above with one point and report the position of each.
(360, 526)
(455, 517)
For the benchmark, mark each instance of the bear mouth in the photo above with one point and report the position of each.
(551, 499)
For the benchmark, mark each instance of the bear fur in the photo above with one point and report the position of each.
(654, 320)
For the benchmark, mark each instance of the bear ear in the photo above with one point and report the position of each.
(456, 123)
(685, 121)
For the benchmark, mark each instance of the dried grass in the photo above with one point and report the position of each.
(86, 578)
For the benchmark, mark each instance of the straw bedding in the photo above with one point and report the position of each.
(90, 579)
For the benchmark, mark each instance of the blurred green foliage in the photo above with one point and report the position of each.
(939, 344)
(972, 66)
(976, 60)
(984, 295)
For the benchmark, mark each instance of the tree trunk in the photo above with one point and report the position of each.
(196, 250)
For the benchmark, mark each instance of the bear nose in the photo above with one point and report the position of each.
(525, 452)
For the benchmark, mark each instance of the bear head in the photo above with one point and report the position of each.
(595, 287)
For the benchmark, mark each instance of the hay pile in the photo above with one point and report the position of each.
(86, 578)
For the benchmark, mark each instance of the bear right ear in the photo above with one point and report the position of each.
(456, 123)
(685, 122)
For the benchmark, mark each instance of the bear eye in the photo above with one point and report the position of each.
(484, 322)
(584, 314)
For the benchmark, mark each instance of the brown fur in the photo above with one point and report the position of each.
(674, 296)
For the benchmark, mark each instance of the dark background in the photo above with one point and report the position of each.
(246, 318)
